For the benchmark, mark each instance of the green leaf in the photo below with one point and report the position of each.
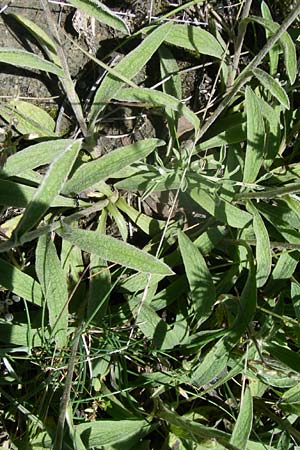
(28, 118)
(54, 285)
(15, 334)
(45, 41)
(286, 42)
(21, 58)
(96, 9)
(290, 400)
(130, 66)
(234, 133)
(111, 432)
(243, 425)
(274, 52)
(157, 98)
(111, 249)
(104, 167)
(13, 279)
(272, 85)
(202, 288)
(50, 187)
(255, 137)
(203, 192)
(263, 247)
(34, 156)
(18, 195)
(195, 39)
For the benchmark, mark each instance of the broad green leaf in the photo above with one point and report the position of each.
(202, 288)
(273, 133)
(119, 220)
(295, 295)
(243, 425)
(96, 9)
(255, 137)
(286, 42)
(288, 357)
(13, 279)
(150, 180)
(195, 39)
(105, 432)
(15, 334)
(28, 118)
(283, 270)
(34, 156)
(50, 187)
(234, 134)
(202, 192)
(158, 98)
(19, 195)
(111, 249)
(21, 58)
(274, 52)
(272, 85)
(43, 38)
(130, 66)
(104, 167)
(263, 247)
(53, 281)
(169, 69)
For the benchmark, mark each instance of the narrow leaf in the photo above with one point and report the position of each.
(272, 85)
(274, 52)
(50, 187)
(263, 247)
(34, 156)
(21, 58)
(130, 66)
(195, 39)
(157, 98)
(94, 171)
(96, 9)
(111, 249)
(243, 425)
(54, 285)
(13, 279)
(255, 137)
(200, 280)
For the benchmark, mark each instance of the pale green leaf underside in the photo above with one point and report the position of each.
(111, 249)
(272, 85)
(22, 58)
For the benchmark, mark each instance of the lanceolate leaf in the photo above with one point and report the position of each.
(263, 247)
(20, 283)
(96, 9)
(111, 249)
(272, 85)
(157, 98)
(130, 65)
(195, 39)
(54, 285)
(49, 188)
(243, 425)
(21, 58)
(94, 171)
(34, 156)
(200, 280)
(255, 137)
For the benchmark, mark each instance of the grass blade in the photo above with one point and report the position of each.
(54, 285)
(21, 58)
(94, 171)
(255, 137)
(200, 280)
(130, 66)
(111, 249)
(49, 188)
(96, 9)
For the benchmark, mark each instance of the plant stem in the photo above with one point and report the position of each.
(66, 80)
